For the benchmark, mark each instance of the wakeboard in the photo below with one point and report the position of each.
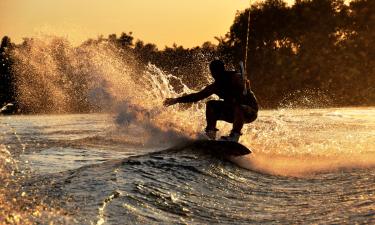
(220, 147)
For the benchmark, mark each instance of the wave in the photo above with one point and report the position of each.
(271, 162)
(186, 184)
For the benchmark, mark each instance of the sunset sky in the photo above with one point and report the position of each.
(163, 22)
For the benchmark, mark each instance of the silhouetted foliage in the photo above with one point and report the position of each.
(7, 93)
(316, 45)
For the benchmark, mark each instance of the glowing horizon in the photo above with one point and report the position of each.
(165, 22)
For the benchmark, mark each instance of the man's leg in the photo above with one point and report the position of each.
(231, 113)
(238, 119)
(211, 115)
(242, 114)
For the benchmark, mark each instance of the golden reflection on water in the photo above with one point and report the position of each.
(16, 205)
(285, 142)
(302, 142)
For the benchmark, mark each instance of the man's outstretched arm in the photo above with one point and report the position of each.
(194, 97)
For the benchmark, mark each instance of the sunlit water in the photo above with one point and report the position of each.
(308, 166)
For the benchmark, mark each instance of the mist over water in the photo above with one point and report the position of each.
(54, 77)
(302, 142)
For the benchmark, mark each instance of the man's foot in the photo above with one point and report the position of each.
(234, 136)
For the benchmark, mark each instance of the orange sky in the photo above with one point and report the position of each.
(163, 22)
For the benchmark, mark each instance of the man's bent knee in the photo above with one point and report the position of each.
(250, 114)
(212, 104)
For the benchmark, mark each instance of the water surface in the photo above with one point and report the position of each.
(308, 166)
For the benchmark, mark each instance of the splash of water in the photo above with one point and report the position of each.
(55, 77)
(19, 206)
(299, 142)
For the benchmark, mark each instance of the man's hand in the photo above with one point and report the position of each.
(169, 101)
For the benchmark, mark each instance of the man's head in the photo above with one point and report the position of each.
(217, 68)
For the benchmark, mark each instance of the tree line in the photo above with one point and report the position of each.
(314, 53)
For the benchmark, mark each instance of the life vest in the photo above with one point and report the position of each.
(227, 91)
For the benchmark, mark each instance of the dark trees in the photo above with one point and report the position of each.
(321, 46)
(7, 81)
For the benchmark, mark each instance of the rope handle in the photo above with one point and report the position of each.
(244, 79)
